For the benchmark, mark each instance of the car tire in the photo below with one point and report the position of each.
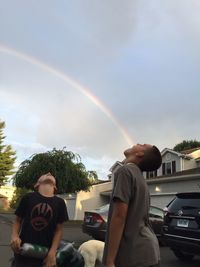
(162, 243)
(183, 256)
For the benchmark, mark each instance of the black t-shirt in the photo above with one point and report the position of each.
(40, 216)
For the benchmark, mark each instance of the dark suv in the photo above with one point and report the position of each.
(181, 229)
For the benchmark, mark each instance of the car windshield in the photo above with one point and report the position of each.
(103, 208)
(185, 204)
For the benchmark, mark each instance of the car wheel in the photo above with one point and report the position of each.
(162, 243)
(183, 255)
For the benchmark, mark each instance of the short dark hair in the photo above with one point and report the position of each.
(151, 160)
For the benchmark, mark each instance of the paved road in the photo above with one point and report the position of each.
(169, 260)
(5, 252)
(74, 234)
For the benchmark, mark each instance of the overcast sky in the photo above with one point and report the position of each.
(96, 76)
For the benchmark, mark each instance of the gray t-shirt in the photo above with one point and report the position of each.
(139, 246)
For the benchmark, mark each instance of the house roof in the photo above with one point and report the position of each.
(185, 172)
(106, 193)
(189, 151)
(115, 166)
(2, 196)
(195, 172)
(168, 150)
(180, 176)
(165, 150)
(101, 182)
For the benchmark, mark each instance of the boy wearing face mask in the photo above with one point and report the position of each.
(39, 220)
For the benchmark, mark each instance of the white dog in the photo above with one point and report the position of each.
(91, 251)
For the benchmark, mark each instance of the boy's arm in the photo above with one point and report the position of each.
(121, 196)
(51, 257)
(116, 228)
(57, 237)
(15, 240)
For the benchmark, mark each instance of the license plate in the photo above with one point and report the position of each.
(182, 223)
(87, 220)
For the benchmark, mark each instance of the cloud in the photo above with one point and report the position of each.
(25, 151)
(101, 165)
(38, 119)
(140, 58)
(110, 23)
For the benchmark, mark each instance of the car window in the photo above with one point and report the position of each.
(156, 213)
(103, 208)
(184, 203)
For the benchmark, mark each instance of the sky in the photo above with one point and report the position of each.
(96, 77)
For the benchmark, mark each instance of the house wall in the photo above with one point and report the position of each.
(7, 191)
(4, 204)
(91, 200)
(189, 164)
(169, 157)
(181, 163)
(161, 200)
(163, 190)
(70, 201)
(195, 154)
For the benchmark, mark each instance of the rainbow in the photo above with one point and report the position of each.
(61, 75)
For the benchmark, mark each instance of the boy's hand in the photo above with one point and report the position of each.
(50, 260)
(15, 243)
(110, 265)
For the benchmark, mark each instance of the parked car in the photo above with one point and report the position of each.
(181, 229)
(95, 221)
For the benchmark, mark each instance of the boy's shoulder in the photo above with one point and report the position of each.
(59, 199)
(128, 167)
(29, 194)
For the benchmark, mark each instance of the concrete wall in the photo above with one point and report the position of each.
(91, 200)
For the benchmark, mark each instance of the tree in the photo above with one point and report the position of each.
(7, 157)
(93, 177)
(186, 144)
(18, 194)
(70, 173)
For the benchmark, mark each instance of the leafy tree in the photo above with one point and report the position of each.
(92, 176)
(7, 157)
(18, 194)
(71, 174)
(186, 144)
